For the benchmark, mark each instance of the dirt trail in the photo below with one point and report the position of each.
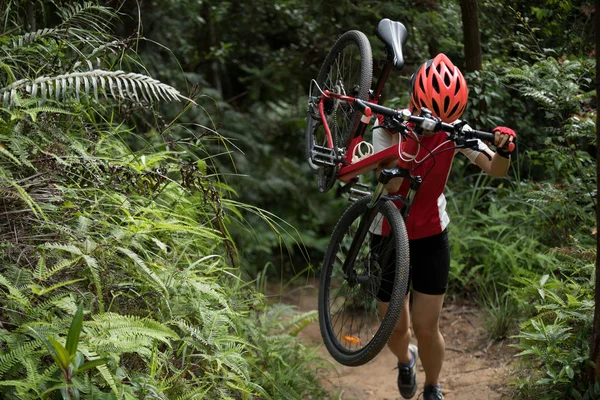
(473, 369)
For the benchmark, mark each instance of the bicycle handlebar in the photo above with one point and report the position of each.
(428, 123)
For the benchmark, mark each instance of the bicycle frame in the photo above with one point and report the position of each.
(360, 131)
(349, 169)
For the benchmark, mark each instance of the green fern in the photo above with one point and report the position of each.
(114, 327)
(119, 84)
(13, 292)
(23, 351)
(298, 322)
(142, 265)
(22, 40)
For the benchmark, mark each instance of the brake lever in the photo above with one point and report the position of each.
(392, 125)
(472, 144)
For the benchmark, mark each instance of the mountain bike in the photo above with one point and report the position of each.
(361, 269)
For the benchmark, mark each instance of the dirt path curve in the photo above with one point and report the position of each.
(473, 369)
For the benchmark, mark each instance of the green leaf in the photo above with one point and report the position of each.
(569, 371)
(62, 355)
(40, 290)
(92, 364)
(75, 331)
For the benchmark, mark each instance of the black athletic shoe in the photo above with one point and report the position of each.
(433, 393)
(407, 376)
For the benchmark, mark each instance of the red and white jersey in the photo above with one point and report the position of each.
(428, 214)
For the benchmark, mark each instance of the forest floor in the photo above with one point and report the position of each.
(474, 368)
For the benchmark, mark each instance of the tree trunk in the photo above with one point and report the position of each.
(30, 12)
(212, 42)
(596, 334)
(471, 35)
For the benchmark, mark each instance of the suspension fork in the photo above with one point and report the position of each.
(367, 219)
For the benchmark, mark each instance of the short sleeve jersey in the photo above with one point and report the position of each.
(428, 214)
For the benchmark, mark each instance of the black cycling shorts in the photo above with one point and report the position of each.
(429, 266)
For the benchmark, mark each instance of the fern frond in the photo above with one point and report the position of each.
(9, 155)
(13, 292)
(142, 265)
(45, 273)
(61, 300)
(121, 85)
(123, 326)
(103, 369)
(301, 321)
(95, 271)
(190, 330)
(23, 195)
(204, 287)
(88, 15)
(64, 247)
(19, 144)
(21, 40)
(197, 393)
(41, 291)
(10, 358)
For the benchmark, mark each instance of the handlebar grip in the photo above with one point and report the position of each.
(376, 108)
(485, 136)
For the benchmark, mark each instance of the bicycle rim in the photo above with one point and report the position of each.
(347, 70)
(351, 325)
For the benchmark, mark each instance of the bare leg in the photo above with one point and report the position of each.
(400, 339)
(426, 311)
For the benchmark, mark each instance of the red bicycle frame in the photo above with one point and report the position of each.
(349, 169)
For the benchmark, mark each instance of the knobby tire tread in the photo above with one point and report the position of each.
(366, 354)
(366, 59)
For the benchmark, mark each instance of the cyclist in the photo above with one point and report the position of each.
(439, 86)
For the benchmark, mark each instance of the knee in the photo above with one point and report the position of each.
(401, 331)
(426, 330)
(402, 328)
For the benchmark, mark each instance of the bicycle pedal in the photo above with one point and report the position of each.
(356, 194)
(323, 156)
(363, 185)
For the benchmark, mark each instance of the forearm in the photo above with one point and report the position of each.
(498, 165)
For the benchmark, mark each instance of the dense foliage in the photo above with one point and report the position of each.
(102, 198)
(118, 276)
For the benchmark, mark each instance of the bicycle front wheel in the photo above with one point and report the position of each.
(354, 325)
(347, 70)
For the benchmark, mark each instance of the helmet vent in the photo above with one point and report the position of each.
(435, 84)
(454, 109)
(436, 109)
(446, 103)
(447, 80)
(457, 87)
(421, 83)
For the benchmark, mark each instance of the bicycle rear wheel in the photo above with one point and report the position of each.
(353, 330)
(347, 70)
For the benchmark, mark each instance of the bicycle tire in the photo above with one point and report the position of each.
(398, 237)
(360, 84)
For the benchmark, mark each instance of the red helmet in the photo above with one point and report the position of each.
(441, 87)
